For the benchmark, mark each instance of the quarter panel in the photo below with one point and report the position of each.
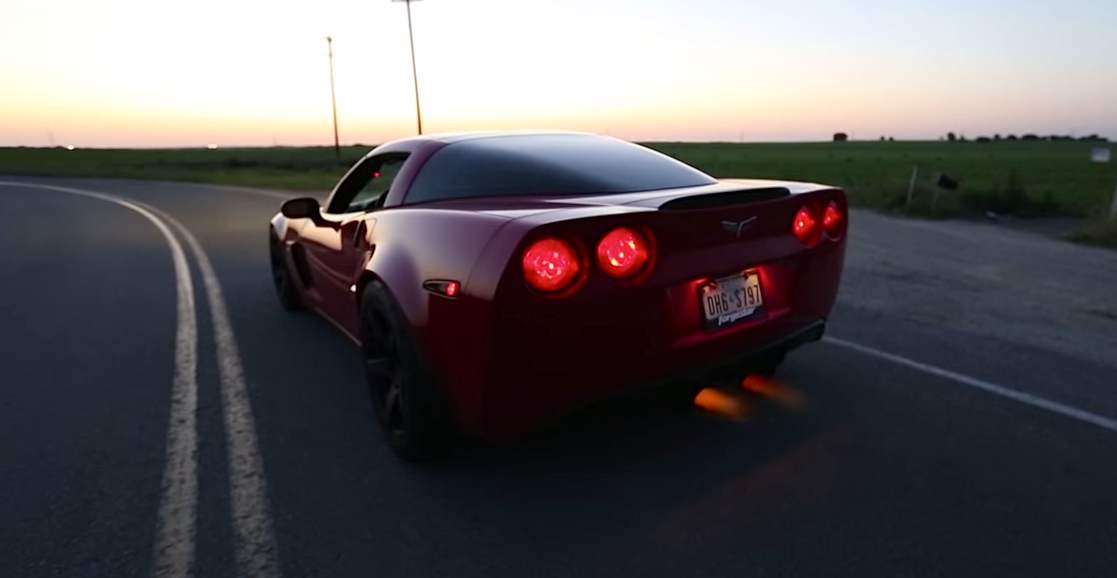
(410, 246)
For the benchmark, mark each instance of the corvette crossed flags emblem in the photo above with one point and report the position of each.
(738, 227)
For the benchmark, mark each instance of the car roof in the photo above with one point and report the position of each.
(453, 137)
(449, 137)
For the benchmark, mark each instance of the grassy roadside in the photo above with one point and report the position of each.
(1098, 230)
(296, 169)
(1023, 178)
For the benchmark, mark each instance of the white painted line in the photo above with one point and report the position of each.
(175, 528)
(261, 192)
(282, 195)
(256, 552)
(1025, 398)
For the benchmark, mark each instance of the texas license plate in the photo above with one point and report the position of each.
(731, 299)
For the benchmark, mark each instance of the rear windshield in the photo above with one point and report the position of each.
(547, 164)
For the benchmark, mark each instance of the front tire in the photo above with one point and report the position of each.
(281, 276)
(405, 397)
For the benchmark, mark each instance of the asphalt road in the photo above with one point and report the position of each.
(964, 425)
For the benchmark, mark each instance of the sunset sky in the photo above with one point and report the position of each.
(148, 73)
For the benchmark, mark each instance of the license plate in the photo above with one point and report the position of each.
(730, 299)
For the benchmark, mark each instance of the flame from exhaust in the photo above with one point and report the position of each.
(723, 403)
(770, 389)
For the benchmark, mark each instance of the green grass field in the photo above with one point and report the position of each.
(1028, 178)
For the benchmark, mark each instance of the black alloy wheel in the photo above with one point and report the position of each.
(404, 396)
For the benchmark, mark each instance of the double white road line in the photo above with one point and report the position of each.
(176, 526)
(252, 522)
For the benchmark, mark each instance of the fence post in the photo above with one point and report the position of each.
(1113, 207)
(911, 185)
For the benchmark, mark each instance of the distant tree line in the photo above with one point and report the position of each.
(843, 137)
(1030, 137)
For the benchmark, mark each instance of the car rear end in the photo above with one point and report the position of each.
(591, 304)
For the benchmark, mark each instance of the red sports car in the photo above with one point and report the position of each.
(497, 279)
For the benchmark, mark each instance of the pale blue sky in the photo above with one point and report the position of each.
(149, 73)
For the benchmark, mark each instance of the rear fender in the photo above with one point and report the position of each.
(397, 270)
(411, 246)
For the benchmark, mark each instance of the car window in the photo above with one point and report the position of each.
(547, 164)
(366, 186)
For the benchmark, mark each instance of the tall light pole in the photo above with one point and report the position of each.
(333, 98)
(414, 71)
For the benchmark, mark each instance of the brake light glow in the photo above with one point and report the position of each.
(622, 253)
(452, 288)
(551, 265)
(832, 219)
(805, 226)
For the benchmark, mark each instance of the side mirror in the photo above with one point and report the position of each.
(301, 208)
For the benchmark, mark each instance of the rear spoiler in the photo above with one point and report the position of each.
(713, 200)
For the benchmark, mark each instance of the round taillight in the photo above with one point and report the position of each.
(805, 226)
(832, 219)
(622, 253)
(551, 265)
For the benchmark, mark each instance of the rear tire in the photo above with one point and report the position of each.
(405, 397)
(281, 276)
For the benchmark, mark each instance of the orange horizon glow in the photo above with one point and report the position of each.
(127, 73)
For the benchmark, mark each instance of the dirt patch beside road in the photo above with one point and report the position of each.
(988, 279)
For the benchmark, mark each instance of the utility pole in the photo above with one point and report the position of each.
(333, 99)
(414, 71)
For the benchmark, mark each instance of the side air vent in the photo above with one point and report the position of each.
(715, 200)
(302, 268)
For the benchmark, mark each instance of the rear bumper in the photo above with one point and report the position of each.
(517, 400)
(734, 367)
(740, 364)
